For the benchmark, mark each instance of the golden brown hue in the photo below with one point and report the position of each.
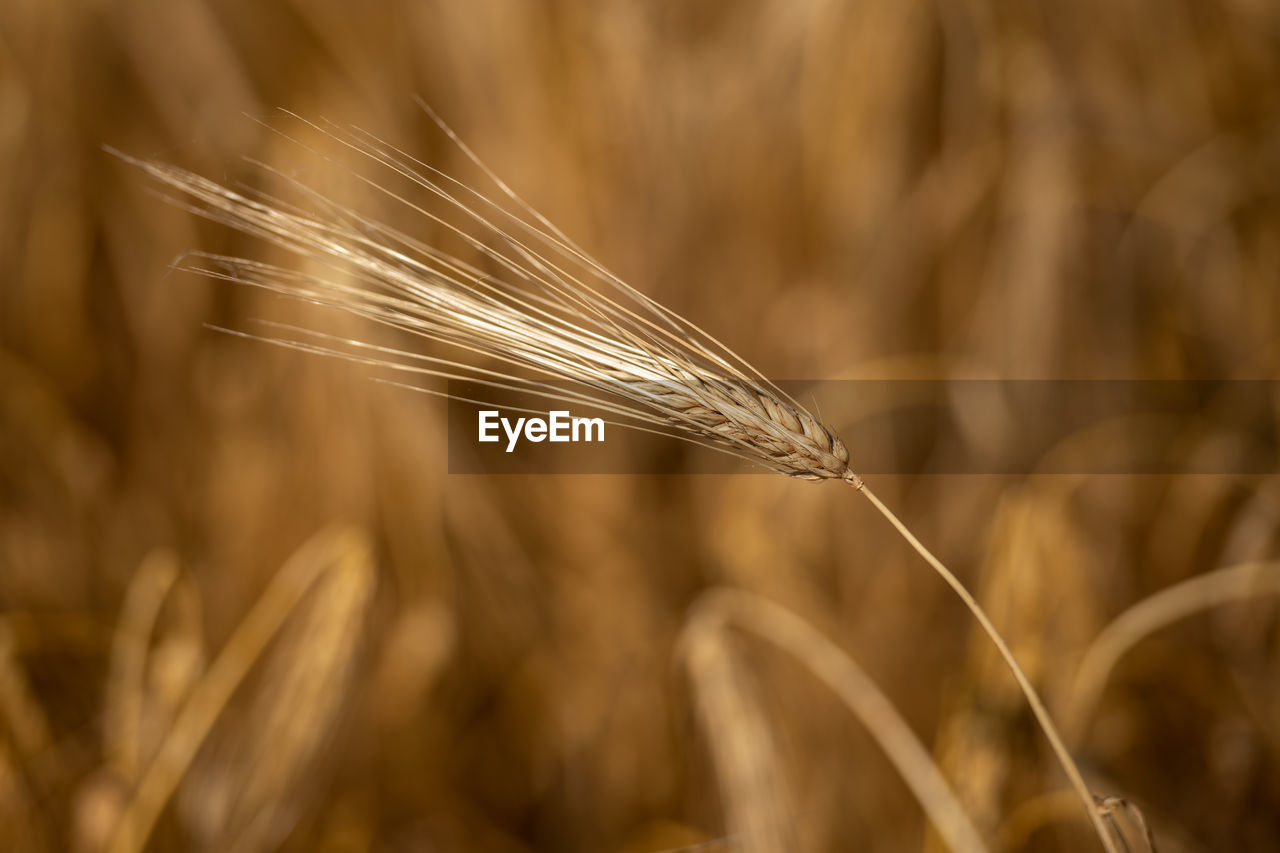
(880, 189)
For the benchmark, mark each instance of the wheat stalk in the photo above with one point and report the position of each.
(653, 367)
(337, 557)
(546, 318)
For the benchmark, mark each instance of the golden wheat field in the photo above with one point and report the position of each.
(246, 606)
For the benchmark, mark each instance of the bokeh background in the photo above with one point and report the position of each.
(244, 606)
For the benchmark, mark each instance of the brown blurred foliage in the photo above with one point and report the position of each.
(879, 189)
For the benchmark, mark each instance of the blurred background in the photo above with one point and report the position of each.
(243, 606)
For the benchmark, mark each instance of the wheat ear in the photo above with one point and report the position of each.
(545, 318)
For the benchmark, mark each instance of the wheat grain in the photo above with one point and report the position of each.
(544, 318)
(658, 372)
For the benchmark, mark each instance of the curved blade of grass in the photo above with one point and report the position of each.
(1195, 595)
(860, 695)
(331, 548)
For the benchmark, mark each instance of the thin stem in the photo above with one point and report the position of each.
(1033, 698)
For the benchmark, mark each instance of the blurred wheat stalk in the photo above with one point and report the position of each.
(163, 703)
